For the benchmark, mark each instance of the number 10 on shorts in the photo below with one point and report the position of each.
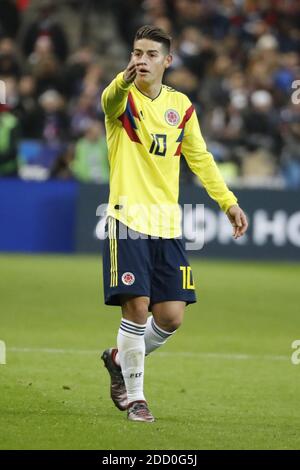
(187, 279)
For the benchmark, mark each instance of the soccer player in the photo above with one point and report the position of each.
(149, 127)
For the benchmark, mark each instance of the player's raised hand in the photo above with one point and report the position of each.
(130, 72)
(238, 220)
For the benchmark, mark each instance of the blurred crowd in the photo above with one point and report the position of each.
(237, 60)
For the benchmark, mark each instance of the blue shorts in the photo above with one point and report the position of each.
(143, 266)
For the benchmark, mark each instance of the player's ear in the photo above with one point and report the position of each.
(168, 61)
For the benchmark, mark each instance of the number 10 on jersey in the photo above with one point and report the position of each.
(159, 144)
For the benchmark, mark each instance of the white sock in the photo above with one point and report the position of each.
(155, 336)
(131, 355)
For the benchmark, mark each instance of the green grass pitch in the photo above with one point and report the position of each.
(225, 381)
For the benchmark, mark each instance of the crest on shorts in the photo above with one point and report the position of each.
(128, 278)
(172, 117)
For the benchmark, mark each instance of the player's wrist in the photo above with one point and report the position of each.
(121, 82)
(124, 78)
(232, 206)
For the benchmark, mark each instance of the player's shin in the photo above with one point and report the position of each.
(155, 336)
(131, 354)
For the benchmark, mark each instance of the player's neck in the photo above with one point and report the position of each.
(151, 90)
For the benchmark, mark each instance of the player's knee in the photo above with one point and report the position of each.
(136, 310)
(170, 325)
(175, 324)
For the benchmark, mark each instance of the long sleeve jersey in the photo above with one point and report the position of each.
(146, 139)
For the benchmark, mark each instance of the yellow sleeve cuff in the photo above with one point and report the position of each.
(230, 201)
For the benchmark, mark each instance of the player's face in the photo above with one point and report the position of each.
(151, 59)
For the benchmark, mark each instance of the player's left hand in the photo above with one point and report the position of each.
(238, 220)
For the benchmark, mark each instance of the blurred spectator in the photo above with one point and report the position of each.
(48, 74)
(284, 75)
(184, 79)
(290, 156)
(262, 139)
(43, 48)
(197, 51)
(226, 124)
(61, 167)
(261, 124)
(187, 12)
(76, 70)
(27, 109)
(9, 18)
(84, 113)
(9, 138)
(90, 162)
(53, 119)
(9, 64)
(46, 25)
(11, 87)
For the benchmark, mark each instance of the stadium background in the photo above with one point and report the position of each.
(228, 373)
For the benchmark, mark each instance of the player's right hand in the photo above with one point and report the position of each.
(130, 72)
(238, 220)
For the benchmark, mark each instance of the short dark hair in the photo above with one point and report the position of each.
(155, 34)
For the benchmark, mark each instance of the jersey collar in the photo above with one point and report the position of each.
(147, 98)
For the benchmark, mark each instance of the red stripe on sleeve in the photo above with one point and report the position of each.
(128, 128)
(186, 117)
(132, 106)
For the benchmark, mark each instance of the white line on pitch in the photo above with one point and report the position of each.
(204, 355)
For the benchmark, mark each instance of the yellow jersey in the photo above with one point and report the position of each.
(146, 139)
